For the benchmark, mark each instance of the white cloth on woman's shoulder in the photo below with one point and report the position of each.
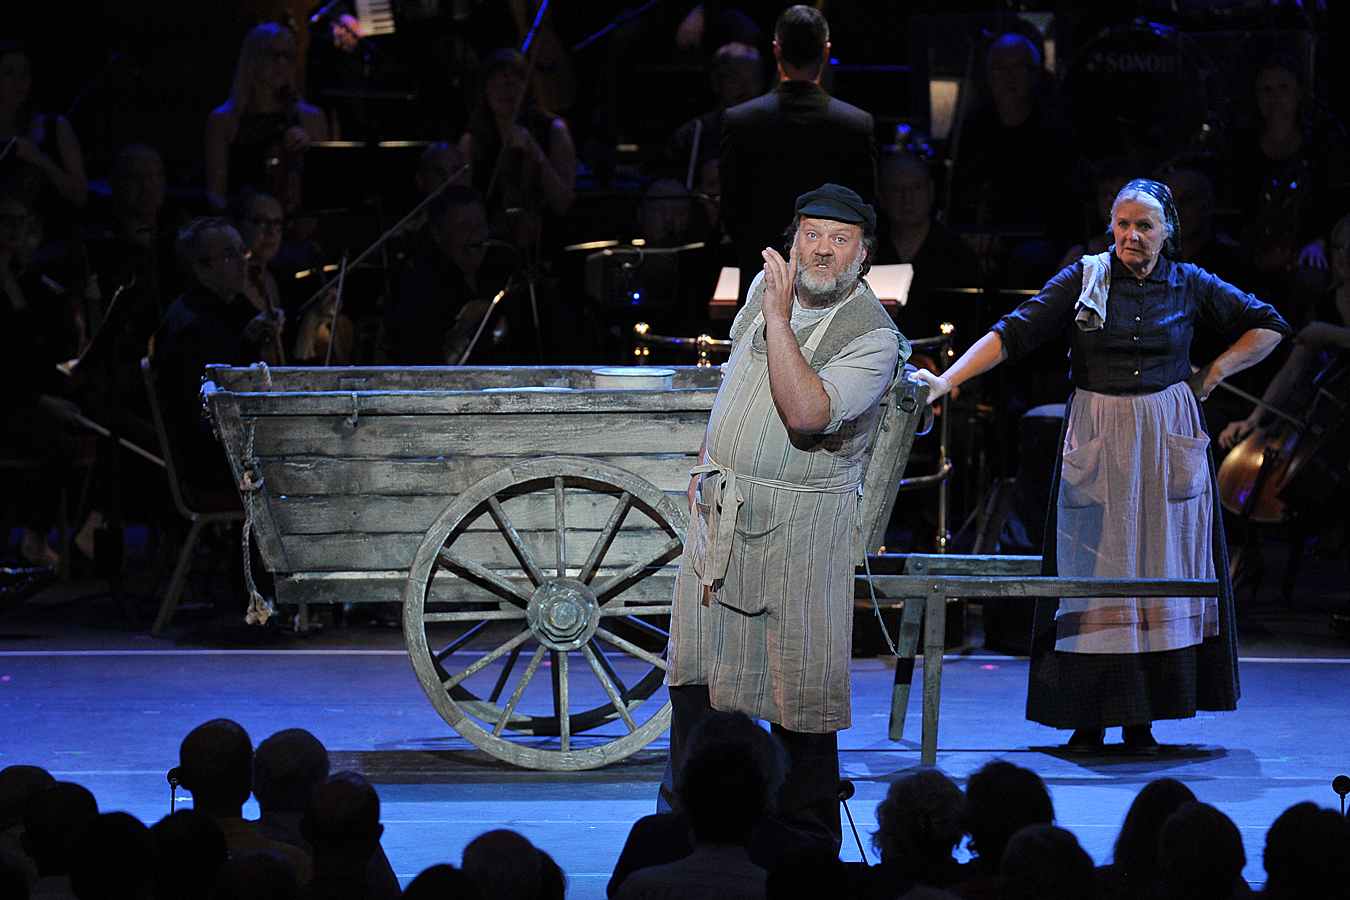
(1091, 307)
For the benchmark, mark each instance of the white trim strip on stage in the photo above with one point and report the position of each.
(1245, 660)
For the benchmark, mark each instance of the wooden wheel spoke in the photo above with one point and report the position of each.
(605, 538)
(560, 525)
(615, 698)
(468, 615)
(631, 618)
(458, 642)
(653, 609)
(562, 699)
(506, 589)
(517, 543)
(609, 668)
(615, 581)
(631, 649)
(487, 660)
(506, 670)
(519, 692)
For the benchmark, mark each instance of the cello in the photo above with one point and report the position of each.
(1256, 476)
(1294, 471)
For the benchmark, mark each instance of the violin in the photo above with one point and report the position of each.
(272, 350)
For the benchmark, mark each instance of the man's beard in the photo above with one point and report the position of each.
(823, 291)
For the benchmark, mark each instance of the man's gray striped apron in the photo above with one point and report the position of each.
(763, 608)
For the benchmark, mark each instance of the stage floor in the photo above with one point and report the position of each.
(87, 694)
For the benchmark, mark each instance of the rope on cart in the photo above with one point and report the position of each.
(260, 609)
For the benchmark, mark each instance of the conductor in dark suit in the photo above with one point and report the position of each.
(787, 142)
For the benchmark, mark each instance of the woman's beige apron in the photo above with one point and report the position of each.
(1135, 501)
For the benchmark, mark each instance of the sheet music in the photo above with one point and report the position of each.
(891, 282)
(376, 17)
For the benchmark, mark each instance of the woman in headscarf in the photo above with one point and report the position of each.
(1134, 493)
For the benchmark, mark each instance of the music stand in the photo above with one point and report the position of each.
(344, 175)
(638, 278)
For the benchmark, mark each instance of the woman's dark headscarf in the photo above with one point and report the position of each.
(1163, 195)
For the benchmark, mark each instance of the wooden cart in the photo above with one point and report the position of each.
(530, 525)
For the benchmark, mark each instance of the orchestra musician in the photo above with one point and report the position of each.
(256, 137)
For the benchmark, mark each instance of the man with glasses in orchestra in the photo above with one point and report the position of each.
(212, 322)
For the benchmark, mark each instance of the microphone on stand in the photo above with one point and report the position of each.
(845, 792)
(175, 776)
(1341, 785)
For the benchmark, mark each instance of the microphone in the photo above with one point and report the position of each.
(1341, 785)
(845, 792)
(175, 776)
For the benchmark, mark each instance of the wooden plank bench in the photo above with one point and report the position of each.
(927, 581)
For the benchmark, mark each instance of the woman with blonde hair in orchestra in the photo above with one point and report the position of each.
(256, 137)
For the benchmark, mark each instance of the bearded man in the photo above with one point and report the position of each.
(763, 607)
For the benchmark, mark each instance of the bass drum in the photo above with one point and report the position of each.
(1143, 90)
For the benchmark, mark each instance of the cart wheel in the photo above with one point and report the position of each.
(568, 563)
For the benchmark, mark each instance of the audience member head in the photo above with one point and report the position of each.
(49, 822)
(458, 226)
(1200, 855)
(438, 163)
(441, 882)
(1279, 92)
(256, 875)
(552, 879)
(212, 252)
(1045, 862)
(266, 71)
(136, 176)
(20, 786)
(287, 767)
(922, 818)
(801, 42)
(16, 83)
(665, 213)
(812, 874)
(342, 818)
(190, 850)
(1000, 799)
(1307, 849)
(259, 219)
(1154, 194)
(1136, 850)
(722, 786)
(906, 190)
(13, 881)
(736, 74)
(112, 857)
(1011, 71)
(503, 865)
(216, 760)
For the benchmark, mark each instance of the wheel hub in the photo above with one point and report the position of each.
(563, 613)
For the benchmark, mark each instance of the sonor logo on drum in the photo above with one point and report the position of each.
(1147, 63)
